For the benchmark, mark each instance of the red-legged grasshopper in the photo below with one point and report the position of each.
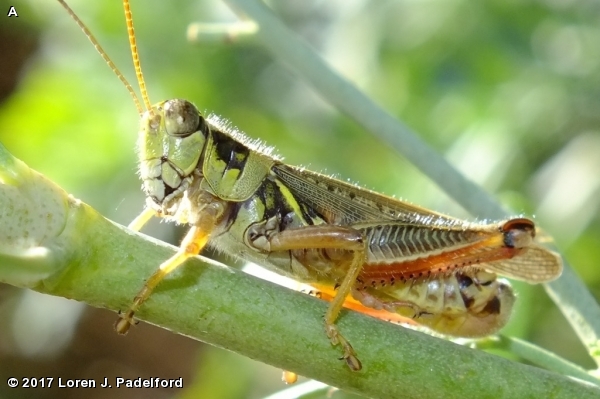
(385, 253)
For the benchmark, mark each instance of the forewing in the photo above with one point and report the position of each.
(349, 204)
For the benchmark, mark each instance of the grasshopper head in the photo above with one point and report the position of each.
(170, 143)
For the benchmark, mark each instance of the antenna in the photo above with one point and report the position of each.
(135, 55)
(109, 62)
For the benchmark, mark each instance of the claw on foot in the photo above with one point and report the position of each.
(349, 355)
(352, 361)
(124, 322)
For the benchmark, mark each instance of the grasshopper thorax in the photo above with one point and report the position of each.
(170, 142)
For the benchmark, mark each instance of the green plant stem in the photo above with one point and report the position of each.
(78, 254)
(537, 356)
(568, 292)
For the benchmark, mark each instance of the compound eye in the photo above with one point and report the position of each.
(181, 118)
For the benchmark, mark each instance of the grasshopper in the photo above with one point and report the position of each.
(384, 253)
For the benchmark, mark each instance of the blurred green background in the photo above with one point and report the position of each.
(509, 91)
